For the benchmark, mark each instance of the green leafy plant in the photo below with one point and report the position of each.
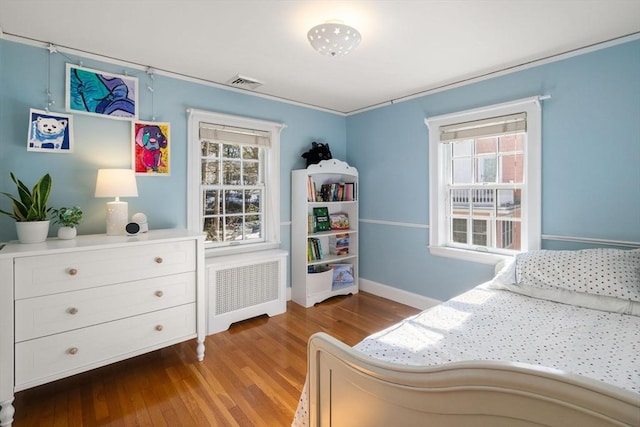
(30, 205)
(67, 217)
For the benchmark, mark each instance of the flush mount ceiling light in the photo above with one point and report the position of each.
(334, 38)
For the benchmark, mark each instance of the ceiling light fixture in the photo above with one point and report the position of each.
(334, 38)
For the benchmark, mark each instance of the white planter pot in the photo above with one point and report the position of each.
(67, 233)
(32, 232)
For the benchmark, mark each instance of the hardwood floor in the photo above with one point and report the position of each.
(252, 374)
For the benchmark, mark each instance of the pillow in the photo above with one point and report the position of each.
(600, 279)
(580, 299)
(607, 272)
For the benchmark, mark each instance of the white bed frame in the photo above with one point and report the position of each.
(348, 388)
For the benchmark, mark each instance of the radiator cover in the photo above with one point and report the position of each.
(244, 286)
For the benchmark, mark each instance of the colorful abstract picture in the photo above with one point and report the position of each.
(50, 132)
(150, 148)
(102, 94)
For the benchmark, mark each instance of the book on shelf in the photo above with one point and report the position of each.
(336, 192)
(349, 191)
(339, 221)
(342, 275)
(339, 244)
(321, 219)
(314, 249)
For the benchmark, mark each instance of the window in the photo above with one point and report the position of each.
(485, 181)
(234, 182)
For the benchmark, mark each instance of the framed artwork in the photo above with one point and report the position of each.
(151, 143)
(50, 132)
(101, 94)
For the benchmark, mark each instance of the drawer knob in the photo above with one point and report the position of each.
(73, 350)
(158, 260)
(159, 328)
(159, 294)
(73, 310)
(73, 272)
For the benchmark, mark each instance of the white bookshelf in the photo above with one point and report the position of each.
(309, 288)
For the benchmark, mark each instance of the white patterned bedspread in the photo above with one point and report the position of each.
(485, 324)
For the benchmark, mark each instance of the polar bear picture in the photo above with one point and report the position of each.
(49, 132)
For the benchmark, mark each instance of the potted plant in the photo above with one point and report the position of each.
(68, 218)
(30, 209)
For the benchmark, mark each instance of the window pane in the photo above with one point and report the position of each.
(250, 173)
(231, 151)
(510, 143)
(508, 235)
(462, 170)
(212, 202)
(486, 145)
(512, 168)
(463, 148)
(253, 227)
(509, 203)
(231, 172)
(252, 201)
(460, 202)
(209, 172)
(232, 201)
(486, 169)
(213, 229)
(459, 230)
(479, 232)
(250, 153)
(233, 228)
(209, 149)
(483, 201)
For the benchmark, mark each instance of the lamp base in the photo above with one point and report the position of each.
(117, 218)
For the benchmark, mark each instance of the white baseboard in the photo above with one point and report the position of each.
(403, 297)
(398, 295)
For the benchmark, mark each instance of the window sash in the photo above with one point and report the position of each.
(225, 237)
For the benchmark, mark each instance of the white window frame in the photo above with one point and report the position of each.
(531, 189)
(271, 204)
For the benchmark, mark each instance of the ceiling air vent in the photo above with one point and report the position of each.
(244, 82)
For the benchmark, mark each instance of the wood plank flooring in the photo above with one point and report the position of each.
(252, 374)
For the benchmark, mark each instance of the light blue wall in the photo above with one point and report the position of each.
(104, 143)
(591, 154)
(590, 165)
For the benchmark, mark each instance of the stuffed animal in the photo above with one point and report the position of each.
(317, 153)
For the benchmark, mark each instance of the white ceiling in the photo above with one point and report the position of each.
(407, 46)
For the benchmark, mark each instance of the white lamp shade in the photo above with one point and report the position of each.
(116, 183)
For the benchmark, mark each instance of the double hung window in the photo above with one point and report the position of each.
(234, 180)
(485, 181)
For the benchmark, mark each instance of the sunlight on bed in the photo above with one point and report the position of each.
(423, 331)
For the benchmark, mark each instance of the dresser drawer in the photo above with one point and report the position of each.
(46, 359)
(51, 314)
(62, 272)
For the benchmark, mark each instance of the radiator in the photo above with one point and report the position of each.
(244, 286)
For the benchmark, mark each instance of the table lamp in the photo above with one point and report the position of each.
(116, 183)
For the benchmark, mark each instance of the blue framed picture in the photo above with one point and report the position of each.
(101, 94)
(50, 132)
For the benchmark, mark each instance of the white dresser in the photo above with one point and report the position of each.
(67, 306)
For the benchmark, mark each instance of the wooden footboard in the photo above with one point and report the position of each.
(347, 388)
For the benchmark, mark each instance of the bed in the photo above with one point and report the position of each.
(553, 339)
